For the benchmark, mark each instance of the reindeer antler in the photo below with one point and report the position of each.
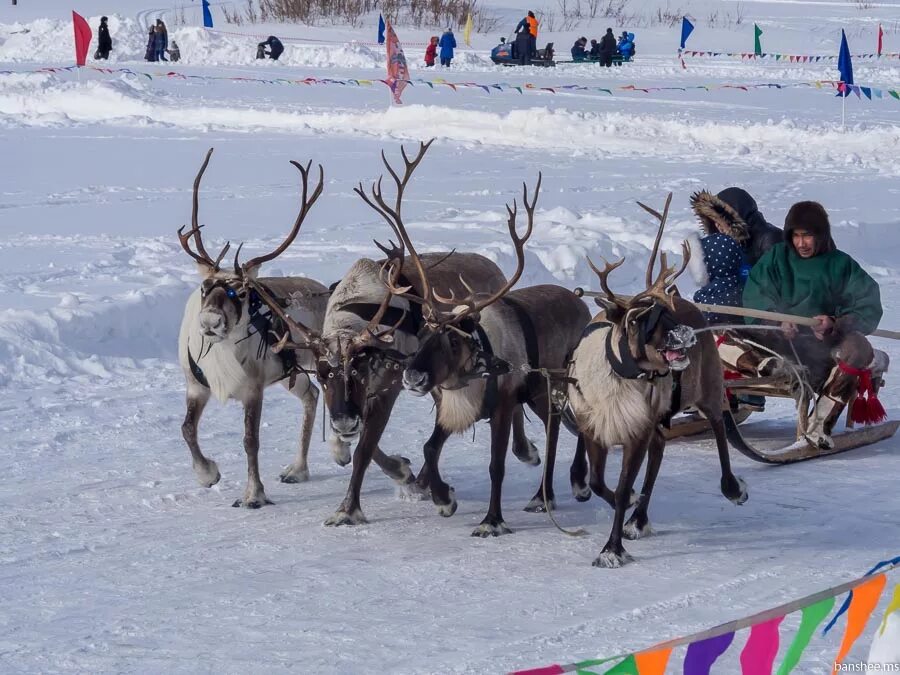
(311, 336)
(305, 206)
(662, 217)
(468, 306)
(201, 256)
(663, 288)
(392, 215)
(604, 277)
(370, 334)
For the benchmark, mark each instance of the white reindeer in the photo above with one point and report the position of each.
(224, 346)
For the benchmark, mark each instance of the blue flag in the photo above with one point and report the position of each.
(207, 15)
(380, 29)
(686, 29)
(845, 65)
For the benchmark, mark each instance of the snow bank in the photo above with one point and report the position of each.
(42, 100)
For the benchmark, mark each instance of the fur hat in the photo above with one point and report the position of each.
(812, 217)
(717, 216)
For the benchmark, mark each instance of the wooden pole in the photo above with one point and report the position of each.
(752, 313)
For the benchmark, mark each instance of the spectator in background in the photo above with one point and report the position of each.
(522, 47)
(529, 25)
(607, 48)
(104, 41)
(174, 53)
(276, 49)
(447, 45)
(431, 51)
(626, 45)
(595, 50)
(579, 53)
(150, 54)
(161, 41)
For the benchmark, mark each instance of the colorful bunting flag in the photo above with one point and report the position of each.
(761, 649)
(863, 602)
(703, 654)
(757, 47)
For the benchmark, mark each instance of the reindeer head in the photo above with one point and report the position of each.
(227, 297)
(648, 329)
(450, 350)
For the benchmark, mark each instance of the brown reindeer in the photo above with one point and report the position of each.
(223, 345)
(366, 337)
(478, 355)
(638, 363)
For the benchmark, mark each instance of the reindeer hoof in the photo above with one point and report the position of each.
(491, 530)
(633, 531)
(735, 489)
(536, 505)
(448, 509)
(611, 560)
(354, 517)
(207, 475)
(252, 503)
(582, 492)
(290, 474)
(528, 455)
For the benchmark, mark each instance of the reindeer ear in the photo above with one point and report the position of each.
(614, 311)
(252, 272)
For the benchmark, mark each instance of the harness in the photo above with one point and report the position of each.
(626, 366)
(261, 322)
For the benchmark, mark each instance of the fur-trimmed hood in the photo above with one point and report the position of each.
(717, 215)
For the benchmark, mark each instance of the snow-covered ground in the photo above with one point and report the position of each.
(113, 559)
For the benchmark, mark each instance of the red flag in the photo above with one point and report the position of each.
(397, 70)
(82, 38)
(880, 38)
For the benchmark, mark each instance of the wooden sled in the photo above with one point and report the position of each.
(689, 425)
(802, 450)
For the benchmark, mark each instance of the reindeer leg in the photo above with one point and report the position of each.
(733, 487)
(376, 419)
(613, 553)
(501, 424)
(551, 428)
(254, 495)
(522, 447)
(206, 470)
(298, 470)
(578, 472)
(443, 496)
(398, 469)
(598, 454)
(638, 525)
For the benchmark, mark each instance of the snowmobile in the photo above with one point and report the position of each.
(788, 381)
(503, 55)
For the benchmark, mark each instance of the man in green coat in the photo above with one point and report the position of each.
(807, 276)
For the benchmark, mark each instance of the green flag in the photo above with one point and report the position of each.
(757, 48)
(811, 618)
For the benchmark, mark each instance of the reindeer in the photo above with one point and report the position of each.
(470, 357)
(223, 345)
(367, 335)
(638, 363)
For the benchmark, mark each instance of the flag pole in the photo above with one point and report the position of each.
(843, 104)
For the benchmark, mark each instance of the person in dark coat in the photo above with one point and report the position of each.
(161, 41)
(595, 50)
(150, 54)
(275, 50)
(734, 212)
(447, 44)
(523, 47)
(716, 264)
(579, 53)
(174, 52)
(607, 48)
(104, 41)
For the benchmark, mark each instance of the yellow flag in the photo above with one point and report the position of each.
(467, 33)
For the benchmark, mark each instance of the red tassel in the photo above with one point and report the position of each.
(866, 409)
(876, 411)
(859, 413)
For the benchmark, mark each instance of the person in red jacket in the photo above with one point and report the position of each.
(431, 51)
